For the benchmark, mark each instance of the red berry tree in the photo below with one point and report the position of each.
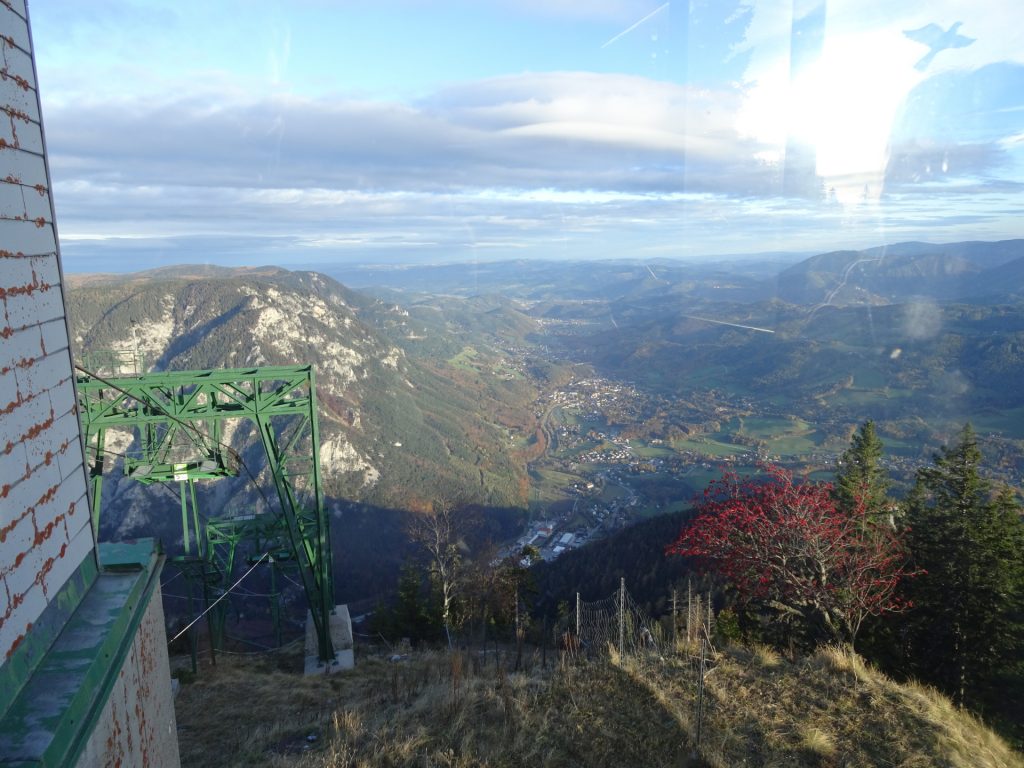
(789, 550)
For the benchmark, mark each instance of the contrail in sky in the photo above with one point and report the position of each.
(734, 325)
(626, 31)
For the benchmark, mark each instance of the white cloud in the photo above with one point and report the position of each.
(569, 163)
(560, 130)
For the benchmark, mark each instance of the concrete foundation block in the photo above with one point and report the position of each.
(340, 624)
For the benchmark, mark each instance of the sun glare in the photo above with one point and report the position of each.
(840, 106)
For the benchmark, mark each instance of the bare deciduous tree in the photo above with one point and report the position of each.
(441, 533)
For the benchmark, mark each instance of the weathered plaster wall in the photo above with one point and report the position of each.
(45, 532)
(44, 519)
(137, 727)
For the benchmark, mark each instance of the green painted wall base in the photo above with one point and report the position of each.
(61, 677)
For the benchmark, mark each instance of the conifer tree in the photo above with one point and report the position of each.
(861, 479)
(408, 616)
(969, 541)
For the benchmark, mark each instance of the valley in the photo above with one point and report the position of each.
(577, 412)
(616, 454)
(508, 384)
(568, 402)
(654, 400)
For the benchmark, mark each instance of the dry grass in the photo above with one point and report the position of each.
(456, 710)
(830, 709)
(431, 710)
(766, 656)
(817, 742)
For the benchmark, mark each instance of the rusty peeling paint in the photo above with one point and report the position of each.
(25, 362)
(29, 288)
(48, 530)
(16, 113)
(18, 641)
(6, 530)
(20, 81)
(11, 406)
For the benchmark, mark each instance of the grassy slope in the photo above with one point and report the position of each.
(830, 709)
(440, 710)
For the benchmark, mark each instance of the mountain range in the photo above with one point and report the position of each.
(430, 396)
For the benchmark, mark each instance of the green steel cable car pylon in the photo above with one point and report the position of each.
(176, 418)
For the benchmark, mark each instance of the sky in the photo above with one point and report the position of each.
(313, 133)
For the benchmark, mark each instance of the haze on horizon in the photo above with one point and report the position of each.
(311, 132)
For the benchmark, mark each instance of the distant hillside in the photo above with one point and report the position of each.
(857, 361)
(636, 554)
(466, 709)
(539, 280)
(897, 272)
(174, 272)
(1006, 279)
(883, 274)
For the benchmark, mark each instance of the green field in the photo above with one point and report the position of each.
(548, 486)
(1009, 423)
(465, 359)
(868, 397)
(792, 444)
(651, 451)
(710, 446)
(772, 427)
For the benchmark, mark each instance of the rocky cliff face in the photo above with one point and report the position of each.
(388, 423)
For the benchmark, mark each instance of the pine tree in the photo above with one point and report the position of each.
(409, 616)
(969, 541)
(860, 478)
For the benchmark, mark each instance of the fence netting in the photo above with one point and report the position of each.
(613, 624)
(618, 624)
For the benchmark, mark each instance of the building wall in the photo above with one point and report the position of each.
(137, 727)
(48, 556)
(44, 518)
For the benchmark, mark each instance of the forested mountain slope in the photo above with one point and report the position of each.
(397, 431)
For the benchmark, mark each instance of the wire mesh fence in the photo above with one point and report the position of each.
(618, 629)
(618, 625)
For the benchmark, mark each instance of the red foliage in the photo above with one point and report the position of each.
(787, 547)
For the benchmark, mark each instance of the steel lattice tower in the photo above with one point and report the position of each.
(177, 420)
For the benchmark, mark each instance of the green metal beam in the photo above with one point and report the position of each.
(176, 419)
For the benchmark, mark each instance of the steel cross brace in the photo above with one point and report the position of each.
(174, 411)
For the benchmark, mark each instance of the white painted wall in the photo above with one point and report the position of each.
(137, 728)
(45, 532)
(44, 515)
